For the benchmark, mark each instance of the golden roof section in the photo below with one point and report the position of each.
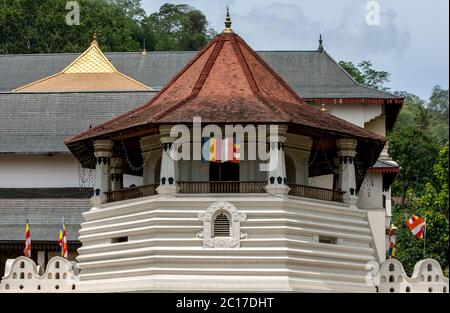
(91, 61)
(91, 71)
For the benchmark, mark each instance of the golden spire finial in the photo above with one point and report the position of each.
(228, 23)
(94, 39)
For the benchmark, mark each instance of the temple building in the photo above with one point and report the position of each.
(141, 220)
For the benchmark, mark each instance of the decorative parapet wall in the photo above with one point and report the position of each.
(427, 277)
(23, 275)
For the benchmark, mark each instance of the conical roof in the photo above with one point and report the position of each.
(227, 82)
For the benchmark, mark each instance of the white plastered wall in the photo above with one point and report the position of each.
(46, 171)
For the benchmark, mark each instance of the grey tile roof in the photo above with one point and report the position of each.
(44, 217)
(310, 73)
(39, 122)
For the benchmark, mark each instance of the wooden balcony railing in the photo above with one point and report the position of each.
(316, 193)
(131, 193)
(222, 187)
(202, 187)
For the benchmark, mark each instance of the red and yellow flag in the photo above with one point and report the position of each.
(416, 225)
(27, 250)
(63, 240)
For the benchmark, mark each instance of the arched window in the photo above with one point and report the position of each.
(391, 279)
(400, 279)
(22, 264)
(391, 267)
(57, 276)
(221, 226)
(29, 276)
(50, 276)
(56, 264)
(408, 289)
(383, 279)
(445, 289)
(429, 267)
(22, 275)
(429, 278)
(14, 276)
(290, 170)
(436, 278)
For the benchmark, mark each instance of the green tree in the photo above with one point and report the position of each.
(177, 27)
(39, 26)
(364, 74)
(434, 206)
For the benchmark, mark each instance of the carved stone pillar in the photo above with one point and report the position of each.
(168, 184)
(117, 168)
(103, 153)
(277, 180)
(347, 177)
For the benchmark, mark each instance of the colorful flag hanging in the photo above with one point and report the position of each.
(63, 239)
(416, 225)
(221, 150)
(27, 250)
(392, 239)
(236, 151)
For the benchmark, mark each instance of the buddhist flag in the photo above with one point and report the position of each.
(27, 250)
(236, 151)
(416, 225)
(227, 150)
(392, 238)
(63, 239)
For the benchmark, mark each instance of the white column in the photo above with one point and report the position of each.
(117, 168)
(277, 180)
(103, 153)
(347, 177)
(168, 184)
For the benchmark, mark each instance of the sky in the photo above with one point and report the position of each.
(408, 38)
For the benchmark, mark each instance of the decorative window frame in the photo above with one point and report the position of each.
(235, 218)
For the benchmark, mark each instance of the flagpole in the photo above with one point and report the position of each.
(424, 239)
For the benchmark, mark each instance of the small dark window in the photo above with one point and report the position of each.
(221, 226)
(73, 287)
(21, 287)
(39, 287)
(119, 239)
(22, 275)
(392, 290)
(430, 289)
(56, 287)
(57, 276)
(408, 289)
(429, 267)
(22, 264)
(445, 289)
(29, 276)
(429, 278)
(391, 279)
(7, 287)
(391, 267)
(328, 240)
(56, 264)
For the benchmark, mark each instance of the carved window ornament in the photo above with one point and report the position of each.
(222, 226)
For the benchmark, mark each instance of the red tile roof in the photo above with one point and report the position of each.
(227, 82)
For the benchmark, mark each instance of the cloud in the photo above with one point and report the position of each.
(278, 26)
(355, 37)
